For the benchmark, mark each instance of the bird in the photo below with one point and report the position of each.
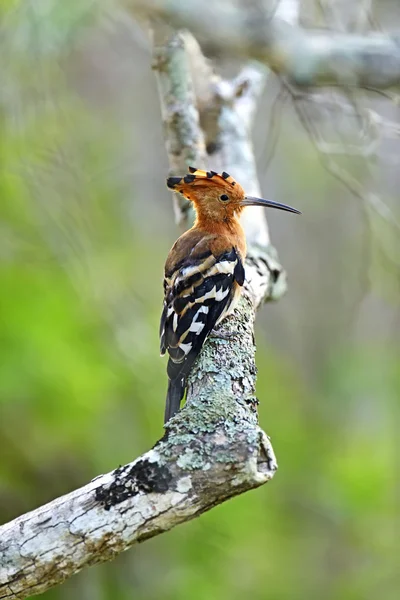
(204, 271)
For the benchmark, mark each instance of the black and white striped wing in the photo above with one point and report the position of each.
(198, 294)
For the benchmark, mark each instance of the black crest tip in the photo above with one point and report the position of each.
(225, 175)
(173, 181)
(189, 178)
(192, 169)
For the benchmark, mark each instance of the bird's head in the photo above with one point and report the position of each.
(217, 196)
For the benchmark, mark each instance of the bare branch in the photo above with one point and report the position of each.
(305, 58)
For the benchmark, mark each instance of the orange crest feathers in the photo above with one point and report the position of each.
(201, 178)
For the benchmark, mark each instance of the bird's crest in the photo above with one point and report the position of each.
(201, 178)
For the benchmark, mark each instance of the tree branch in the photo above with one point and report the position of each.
(304, 57)
(211, 452)
(183, 136)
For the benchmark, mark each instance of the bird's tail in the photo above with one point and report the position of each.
(175, 393)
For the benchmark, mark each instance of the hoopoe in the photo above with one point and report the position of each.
(204, 271)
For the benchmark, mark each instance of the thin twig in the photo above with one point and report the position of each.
(274, 128)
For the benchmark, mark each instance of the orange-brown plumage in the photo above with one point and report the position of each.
(204, 271)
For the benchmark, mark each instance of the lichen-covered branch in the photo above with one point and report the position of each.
(183, 136)
(304, 57)
(199, 463)
(212, 450)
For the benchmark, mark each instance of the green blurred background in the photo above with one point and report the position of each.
(85, 225)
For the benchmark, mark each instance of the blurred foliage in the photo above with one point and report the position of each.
(82, 387)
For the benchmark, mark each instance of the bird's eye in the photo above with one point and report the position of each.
(224, 197)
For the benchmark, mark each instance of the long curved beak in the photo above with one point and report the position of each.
(251, 201)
